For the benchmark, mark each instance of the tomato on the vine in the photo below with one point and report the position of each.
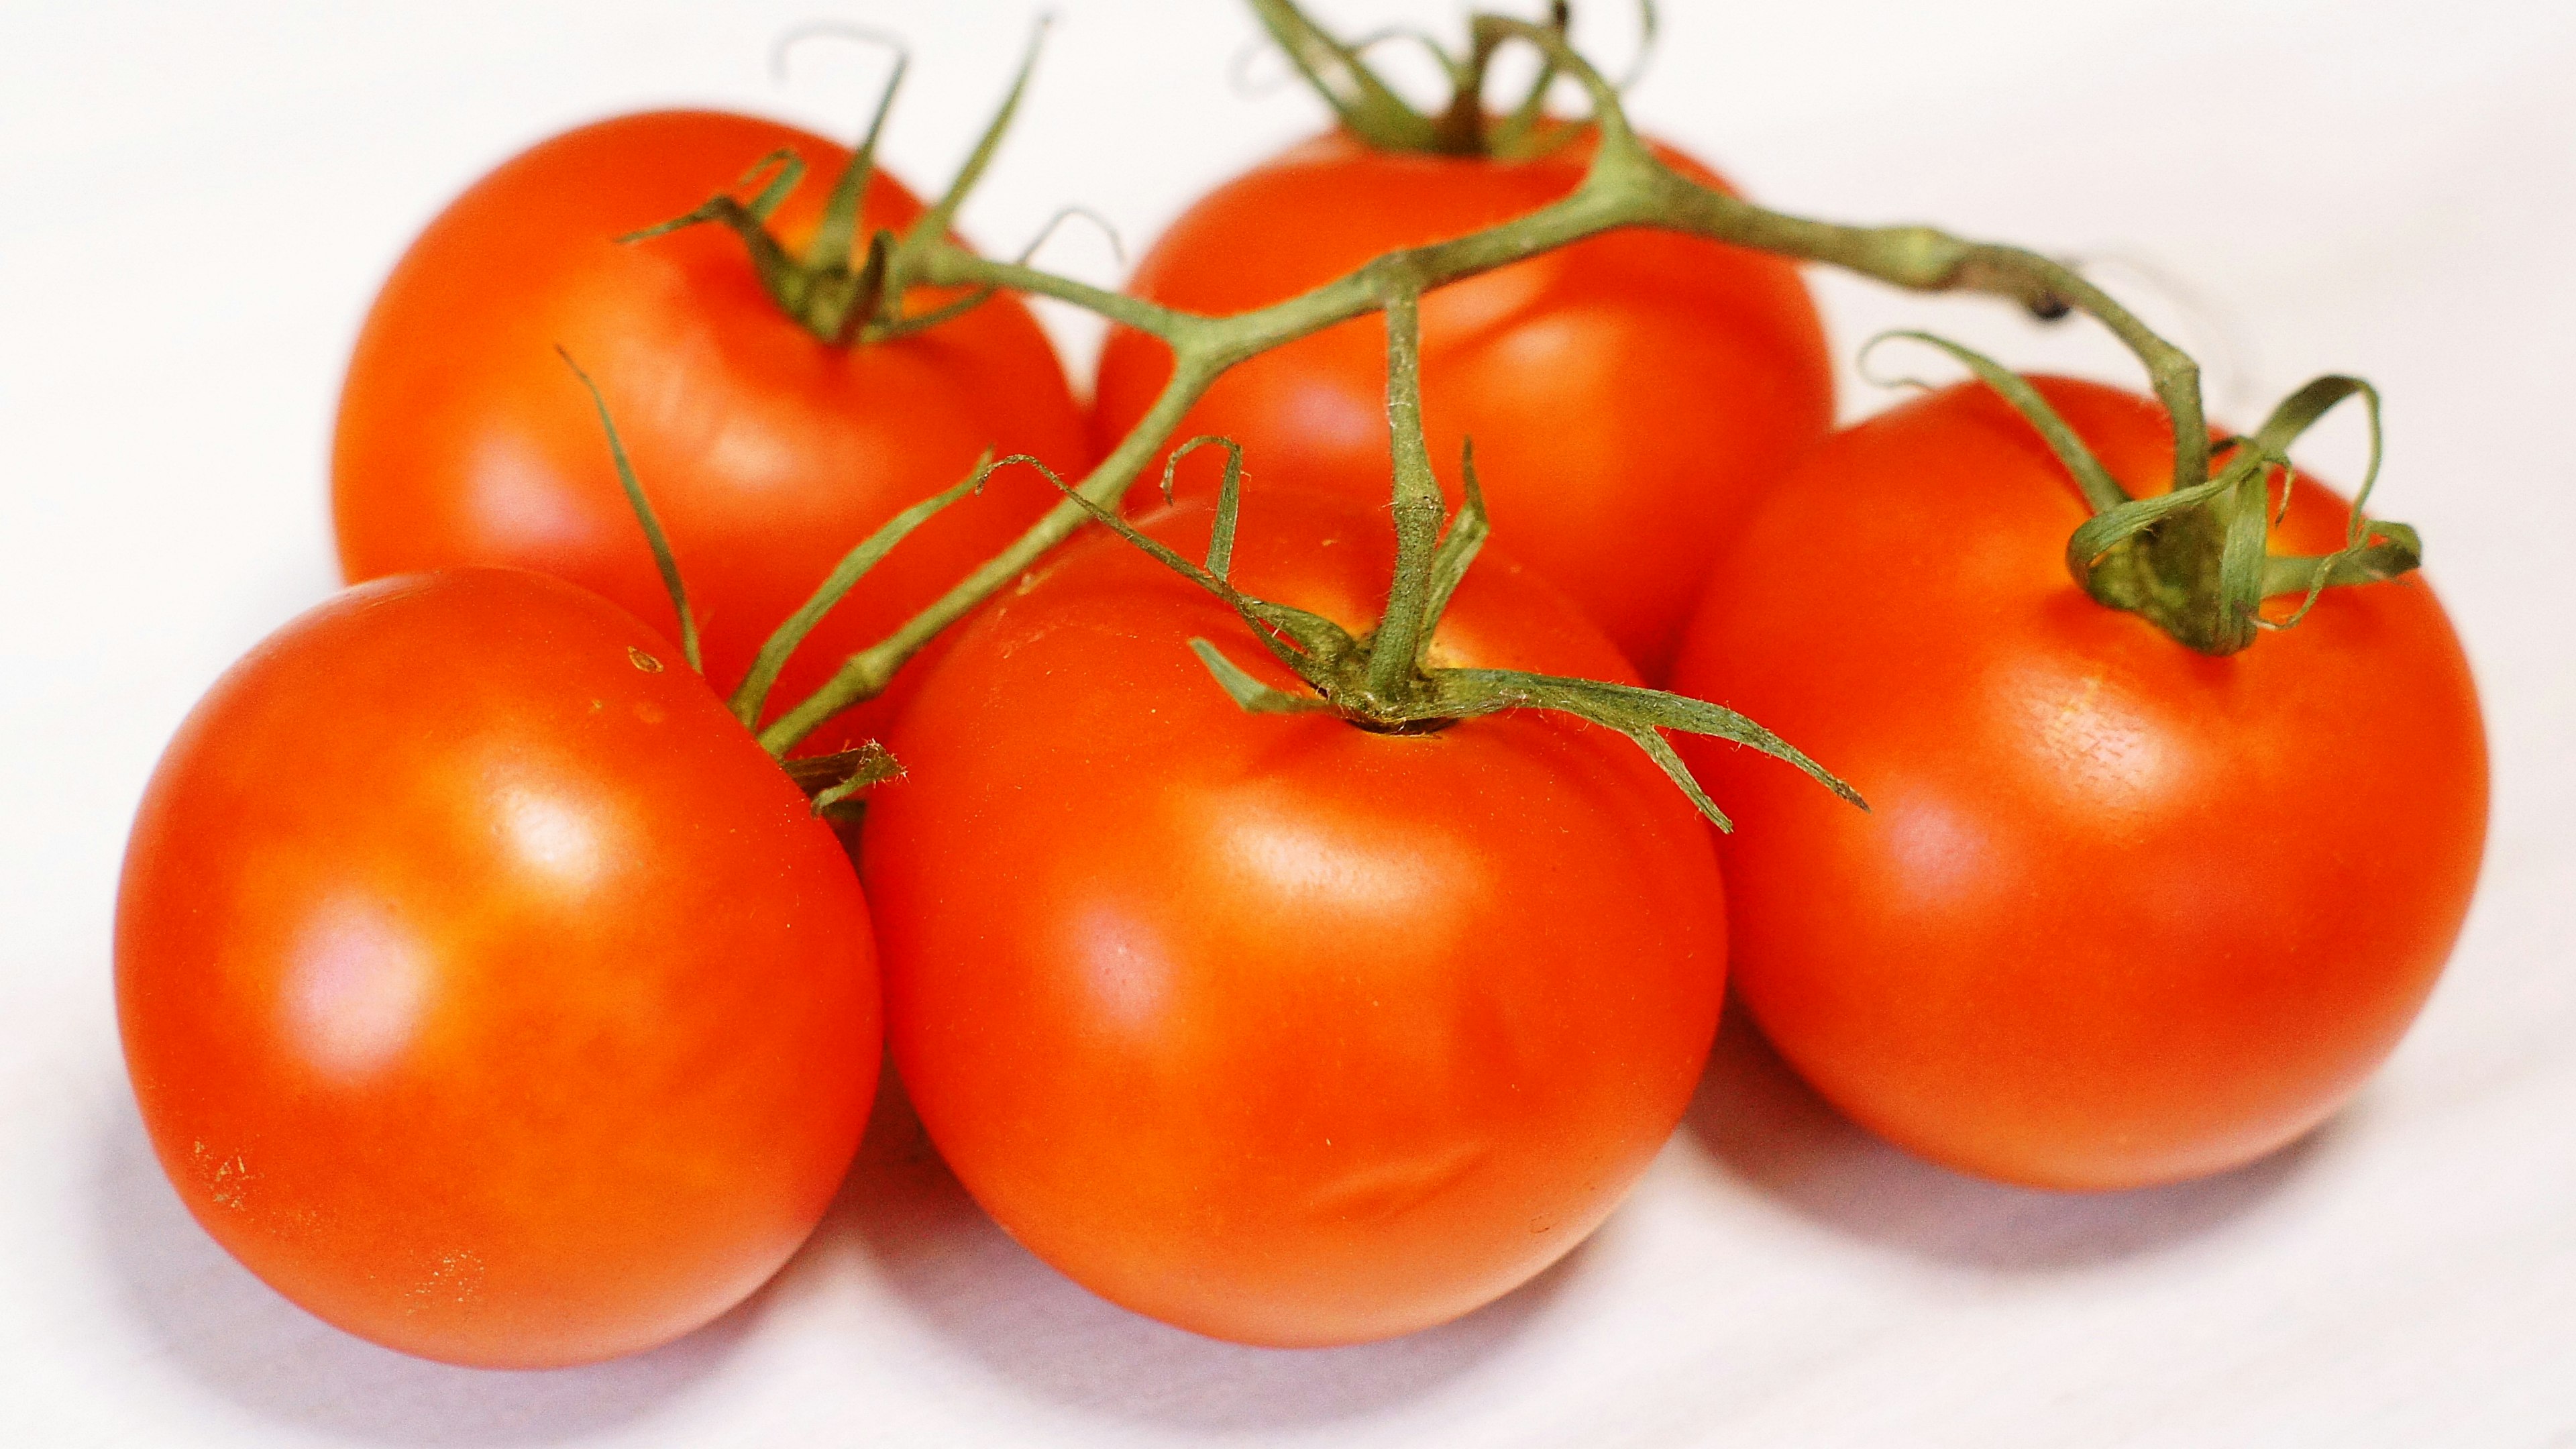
(1270, 1026)
(485, 988)
(2125, 913)
(1627, 396)
(767, 451)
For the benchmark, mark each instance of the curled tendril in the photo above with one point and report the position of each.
(2227, 359)
(1864, 362)
(1107, 228)
(787, 43)
(1649, 28)
(1451, 65)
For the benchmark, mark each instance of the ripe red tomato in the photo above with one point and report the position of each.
(2123, 913)
(767, 453)
(1627, 395)
(1269, 1026)
(485, 989)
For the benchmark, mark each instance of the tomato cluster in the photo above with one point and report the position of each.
(496, 988)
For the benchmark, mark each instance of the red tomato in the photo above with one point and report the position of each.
(463, 439)
(486, 990)
(1627, 395)
(2124, 913)
(1269, 1026)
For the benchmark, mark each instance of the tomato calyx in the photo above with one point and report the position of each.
(1366, 106)
(2194, 561)
(844, 290)
(1383, 680)
(1342, 669)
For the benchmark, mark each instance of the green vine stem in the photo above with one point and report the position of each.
(1418, 506)
(751, 697)
(1624, 185)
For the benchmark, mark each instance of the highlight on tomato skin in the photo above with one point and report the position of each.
(1629, 395)
(461, 439)
(485, 988)
(1268, 1026)
(2124, 913)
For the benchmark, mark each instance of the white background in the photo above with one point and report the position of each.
(196, 203)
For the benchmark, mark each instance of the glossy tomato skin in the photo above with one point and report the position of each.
(463, 439)
(1270, 1027)
(1628, 396)
(2123, 913)
(484, 987)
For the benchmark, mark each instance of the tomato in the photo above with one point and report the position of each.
(1628, 395)
(463, 439)
(2124, 913)
(1270, 1026)
(485, 988)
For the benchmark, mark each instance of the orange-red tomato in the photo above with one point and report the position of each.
(463, 439)
(485, 989)
(1269, 1026)
(1627, 395)
(2124, 913)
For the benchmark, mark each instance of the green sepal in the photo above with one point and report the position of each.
(906, 325)
(1251, 693)
(1468, 529)
(2101, 491)
(791, 170)
(853, 297)
(780, 276)
(2095, 538)
(924, 321)
(642, 508)
(2294, 415)
(2246, 522)
(2400, 551)
(1366, 104)
(935, 222)
(1308, 643)
(1630, 709)
(1229, 497)
(837, 233)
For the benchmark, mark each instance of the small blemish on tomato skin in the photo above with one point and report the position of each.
(225, 1178)
(649, 712)
(642, 660)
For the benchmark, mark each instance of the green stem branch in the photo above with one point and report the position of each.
(1624, 186)
(1418, 505)
(864, 675)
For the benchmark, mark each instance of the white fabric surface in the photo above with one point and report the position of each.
(197, 202)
